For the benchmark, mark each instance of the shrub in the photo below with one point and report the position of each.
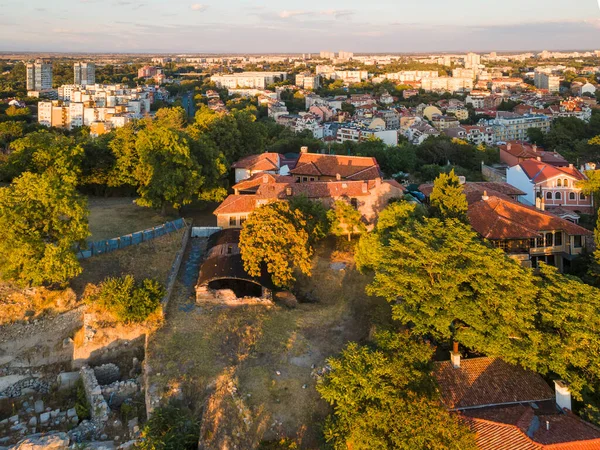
(127, 300)
(82, 407)
(170, 428)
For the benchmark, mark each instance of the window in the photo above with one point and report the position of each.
(304, 178)
(571, 195)
(566, 183)
(557, 196)
(548, 240)
(549, 195)
(540, 241)
(229, 249)
(558, 239)
(232, 221)
(577, 241)
(354, 203)
(242, 220)
(558, 183)
(581, 196)
(312, 178)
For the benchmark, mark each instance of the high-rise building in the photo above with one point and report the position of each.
(345, 55)
(39, 76)
(545, 80)
(472, 61)
(85, 73)
(327, 55)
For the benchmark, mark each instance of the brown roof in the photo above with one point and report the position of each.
(538, 171)
(253, 183)
(237, 204)
(350, 167)
(475, 190)
(488, 381)
(525, 150)
(521, 427)
(262, 161)
(503, 218)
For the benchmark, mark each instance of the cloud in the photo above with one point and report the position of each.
(287, 14)
(369, 33)
(198, 7)
(337, 13)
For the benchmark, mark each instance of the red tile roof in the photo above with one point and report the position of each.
(349, 167)
(253, 183)
(520, 427)
(525, 150)
(538, 171)
(488, 381)
(503, 218)
(262, 161)
(475, 190)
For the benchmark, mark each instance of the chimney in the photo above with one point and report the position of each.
(265, 179)
(455, 356)
(563, 394)
(365, 187)
(508, 146)
(338, 177)
(570, 166)
(288, 191)
(304, 149)
(547, 425)
(539, 158)
(534, 147)
(485, 197)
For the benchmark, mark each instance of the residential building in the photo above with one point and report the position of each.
(253, 164)
(587, 88)
(345, 56)
(513, 127)
(308, 81)
(510, 408)
(84, 73)
(525, 233)
(547, 81)
(39, 76)
(148, 72)
(550, 186)
(441, 122)
(515, 152)
(472, 61)
(447, 84)
(327, 55)
(324, 178)
(253, 80)
(476, 135)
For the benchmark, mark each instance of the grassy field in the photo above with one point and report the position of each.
(151, 259)
(114, 217)
(253, 365)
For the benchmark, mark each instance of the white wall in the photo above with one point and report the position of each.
(517, 178)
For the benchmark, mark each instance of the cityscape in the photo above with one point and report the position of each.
(279, 227)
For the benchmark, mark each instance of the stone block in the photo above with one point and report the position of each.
(67, 380)
(44, 418)
(39, 406)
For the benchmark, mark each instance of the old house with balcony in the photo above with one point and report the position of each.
(554, 187)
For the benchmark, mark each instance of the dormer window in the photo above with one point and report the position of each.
(558, 183)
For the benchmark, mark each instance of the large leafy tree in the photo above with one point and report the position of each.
(345, 220)
(275, 237)
(383, 397)
(447, 198)
(41, 218)
(444, 282)
(167, 174)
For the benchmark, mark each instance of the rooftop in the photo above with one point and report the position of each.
(350, 167)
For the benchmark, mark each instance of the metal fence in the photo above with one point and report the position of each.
(202, 232)
(110, 245)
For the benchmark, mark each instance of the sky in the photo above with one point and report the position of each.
(279, 26)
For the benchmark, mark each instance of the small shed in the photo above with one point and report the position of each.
(223, 269)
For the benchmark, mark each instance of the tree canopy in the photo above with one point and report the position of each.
(274, 237)
(42, 218)
(383, 397)
(345, 220)
(447, 198)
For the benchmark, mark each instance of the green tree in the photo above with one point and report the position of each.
(170, 428)
(126, 156)
(9, 131)
(274, 237)
(384, 398)
(444, 282)
(345, 220)
(167, 175)
(317, 224)
(41, 218)
(129, 301)
(447, 198)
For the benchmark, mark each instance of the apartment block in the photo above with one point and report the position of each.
(84, 73)
(252, 80)
(39, 76)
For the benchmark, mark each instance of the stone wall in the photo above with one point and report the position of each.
(493, 175)
(93, 393)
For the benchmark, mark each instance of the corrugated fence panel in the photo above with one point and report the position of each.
(100, 247)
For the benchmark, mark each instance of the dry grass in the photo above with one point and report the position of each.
(114, 217)
(252, 343)
(35, 303)
(151, 259)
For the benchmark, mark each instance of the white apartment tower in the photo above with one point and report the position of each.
(472, 61)
(85, 73)
(39, 76)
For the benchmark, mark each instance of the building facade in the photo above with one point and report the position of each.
(39, 76)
